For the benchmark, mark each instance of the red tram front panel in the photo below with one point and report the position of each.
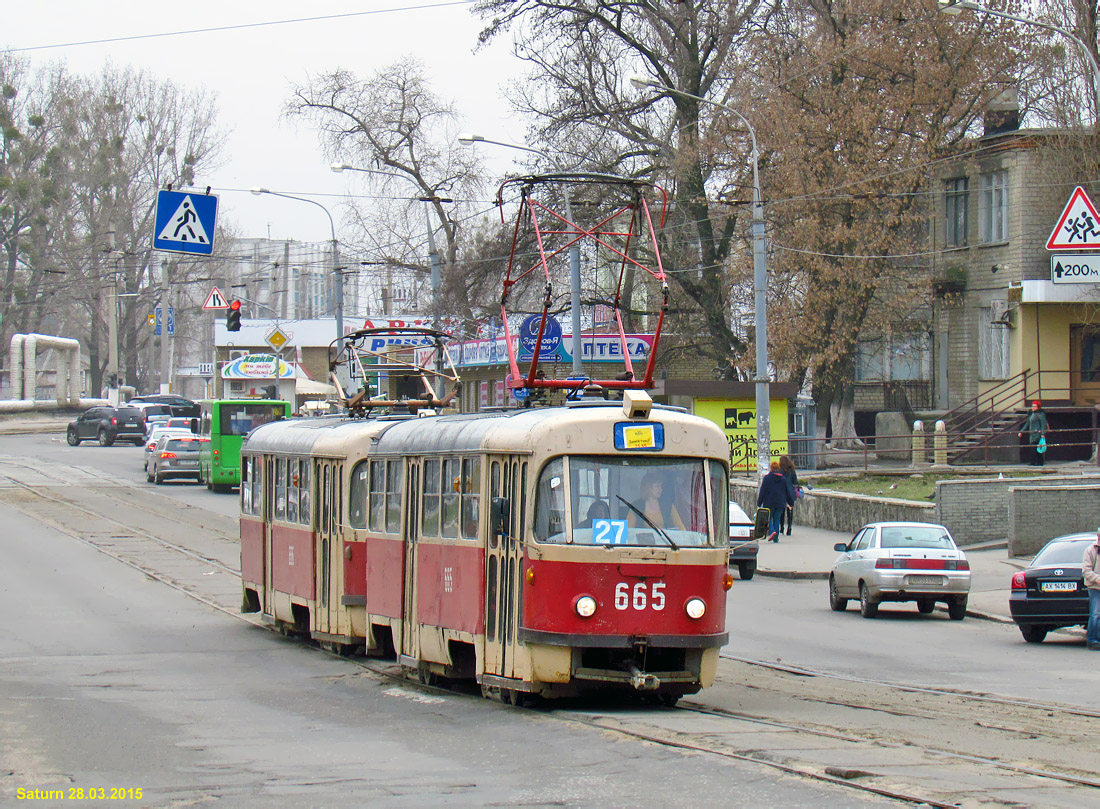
(634, 599)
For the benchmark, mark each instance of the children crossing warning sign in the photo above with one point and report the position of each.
(1079, 225)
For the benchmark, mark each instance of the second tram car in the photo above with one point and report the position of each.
(547, 551)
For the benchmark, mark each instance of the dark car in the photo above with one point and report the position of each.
(179, 405)
(107, 425)
(1050, 593)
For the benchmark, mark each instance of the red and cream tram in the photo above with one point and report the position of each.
(544, 550)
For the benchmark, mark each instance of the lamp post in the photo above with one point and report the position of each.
(953, 7)
(760, 280)
(337, 278)
(574, 250)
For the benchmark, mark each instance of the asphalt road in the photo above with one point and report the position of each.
(790, 621)
(109, 679)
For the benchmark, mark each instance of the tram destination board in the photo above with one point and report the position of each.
(1075, 268)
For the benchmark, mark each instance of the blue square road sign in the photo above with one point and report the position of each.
(185, 222)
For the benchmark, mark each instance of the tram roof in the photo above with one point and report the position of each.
(508, 431)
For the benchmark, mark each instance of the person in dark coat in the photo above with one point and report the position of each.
(775, 494)
(1035, 428)
(786, 467)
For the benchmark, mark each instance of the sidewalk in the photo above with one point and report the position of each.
(45, 422)
(808, 554)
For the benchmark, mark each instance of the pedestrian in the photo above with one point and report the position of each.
(1035, 427)
(786, 467)
(775, 495)
(1091, 567)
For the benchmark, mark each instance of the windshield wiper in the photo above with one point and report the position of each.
(649, 522)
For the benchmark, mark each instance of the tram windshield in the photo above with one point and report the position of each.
(599, 500)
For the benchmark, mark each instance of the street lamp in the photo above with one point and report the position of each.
(760, 280)
(574, 249)
(954, 7)
(337, 278)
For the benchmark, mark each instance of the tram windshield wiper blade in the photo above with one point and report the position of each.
(649, 522)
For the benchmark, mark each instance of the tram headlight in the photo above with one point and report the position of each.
(585, 606)
(695, 608)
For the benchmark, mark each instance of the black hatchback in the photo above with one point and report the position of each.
(1050, 593)
(107, 425)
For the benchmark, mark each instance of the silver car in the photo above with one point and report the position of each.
(151, 445)
(900, 561)
(176, 456)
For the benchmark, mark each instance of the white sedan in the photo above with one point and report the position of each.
(743, 545)
(900, 561)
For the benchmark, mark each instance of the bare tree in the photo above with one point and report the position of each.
(393, 125)
(582, 55)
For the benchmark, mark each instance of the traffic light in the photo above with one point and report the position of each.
(233, 316)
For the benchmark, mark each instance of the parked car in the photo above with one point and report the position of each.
(900, 561)
(154, 438)
(175, 456)
(178, 404)
(744, 546)
(107, 424)
(1050, 593)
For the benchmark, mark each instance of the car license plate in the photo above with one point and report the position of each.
(1058, 586)
(187, 463)
(937, 580)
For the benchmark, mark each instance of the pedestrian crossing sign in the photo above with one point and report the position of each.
(185, 222)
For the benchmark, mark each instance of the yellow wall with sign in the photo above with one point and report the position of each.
(737, 418)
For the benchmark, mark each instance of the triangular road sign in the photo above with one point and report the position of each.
(1078, 227)
(215, 300)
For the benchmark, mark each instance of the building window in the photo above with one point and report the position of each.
(900, 358)
(994, 213)
(955, 204)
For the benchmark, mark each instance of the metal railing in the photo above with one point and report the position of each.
(823, 456)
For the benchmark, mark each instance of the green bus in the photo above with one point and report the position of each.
(225, 423)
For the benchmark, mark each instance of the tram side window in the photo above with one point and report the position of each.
(452, 485)
(357, 504)
(305, 515)
(246, 486)
(293, 480)
(280, 488)
(550, 503)
(377, 495)
(429, 521)
(471, 496)
(393, 496)
(719, 489)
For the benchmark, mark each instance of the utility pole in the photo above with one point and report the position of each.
(112, 323)
(165, 303)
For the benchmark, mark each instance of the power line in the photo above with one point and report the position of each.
(236, 27)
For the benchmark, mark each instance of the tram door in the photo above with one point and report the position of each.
(268, 488)
(503, 566)
(328, 476)
(410, 625)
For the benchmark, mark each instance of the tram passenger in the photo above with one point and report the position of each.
(652, 503)
(599, 510)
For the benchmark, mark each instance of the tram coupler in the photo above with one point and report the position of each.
(640, 680)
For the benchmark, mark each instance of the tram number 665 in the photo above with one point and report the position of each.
(640, 596)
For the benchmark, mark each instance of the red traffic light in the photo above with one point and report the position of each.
(235, 305)
(233, 316)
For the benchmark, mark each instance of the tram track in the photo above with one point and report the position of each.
(751, 715)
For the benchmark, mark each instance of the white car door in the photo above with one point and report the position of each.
(844, 572)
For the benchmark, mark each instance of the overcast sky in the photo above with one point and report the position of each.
(251, 70)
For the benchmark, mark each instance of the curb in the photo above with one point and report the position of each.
(809, 575)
